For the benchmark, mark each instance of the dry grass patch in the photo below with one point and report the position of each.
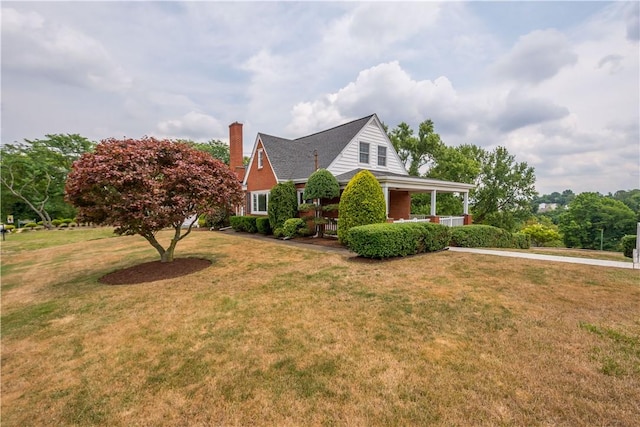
(276, 335)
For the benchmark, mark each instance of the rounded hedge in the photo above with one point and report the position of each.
(393, 240)
(283, 204)
(362, 203)
(487, 236)
(628, 244)
(321, 185)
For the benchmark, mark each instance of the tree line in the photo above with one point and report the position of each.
(34, 173)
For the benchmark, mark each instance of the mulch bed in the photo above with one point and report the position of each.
(155, 270)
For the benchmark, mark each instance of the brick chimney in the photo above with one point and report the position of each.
(235, 149)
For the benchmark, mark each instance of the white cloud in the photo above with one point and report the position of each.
(34, 45)
(536, 57)
(193, 125)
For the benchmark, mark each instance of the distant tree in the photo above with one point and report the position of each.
(142, 186)
(630, 198)
(34, 172)
(362, 203)
(592, 217)
(505, 189)
(218, 149)
(321, 185)
(283, 204)
(416, 152)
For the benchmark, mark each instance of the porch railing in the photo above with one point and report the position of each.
(450, 221)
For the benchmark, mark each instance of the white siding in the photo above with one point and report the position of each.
(349, 158)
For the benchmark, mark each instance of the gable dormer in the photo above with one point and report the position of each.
(370, 149)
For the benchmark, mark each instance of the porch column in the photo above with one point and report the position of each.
(466, 203)
(385, 192)
(434, 218)
(433, 203)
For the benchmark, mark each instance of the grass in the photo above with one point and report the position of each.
(577, 253)
(277, 335)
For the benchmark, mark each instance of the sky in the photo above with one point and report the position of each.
(556, 83)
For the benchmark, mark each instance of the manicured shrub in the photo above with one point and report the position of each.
(283, 203)
(293, 227)
(31, 225)
(64, 225)
(487, 236)
(202, 221)
(56, 222)
(628, 244)
(67, 221)
(9, 227)
(244, 223)
(263, 225)
(392, 240)
(73, 224)
(40, 223)
(362, 203)
(278, 232)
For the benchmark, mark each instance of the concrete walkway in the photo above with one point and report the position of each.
(552, 258)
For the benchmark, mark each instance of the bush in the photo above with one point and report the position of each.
(392, 240)
(31, 225)
(64, 225)
(9, 227)
(73, 224)
(293, 227)
(244, 223)
(628, 244)
(487, 236)
(278, 232)
(40, 223)
(362, 203)
(283, 203)
(67, 221)
(56, 222)
(263, 225)
(542, 235)
(321, 185)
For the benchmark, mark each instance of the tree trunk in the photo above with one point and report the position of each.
(167, 256)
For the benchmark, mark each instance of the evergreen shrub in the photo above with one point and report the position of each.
(244, 223)
(263, 225)
(293, 227)
(361, 203)
(487, 236)
(392, 240)
(283, 203)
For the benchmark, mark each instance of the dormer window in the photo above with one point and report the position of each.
(382, 155)
(364, 152)
(260, 159)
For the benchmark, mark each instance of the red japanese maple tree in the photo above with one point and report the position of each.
(142, 186)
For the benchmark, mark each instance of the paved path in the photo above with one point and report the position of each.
(553, 258)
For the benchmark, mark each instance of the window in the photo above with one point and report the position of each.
(364, 152)
(260, 159)
(259, 202)
(382, 156)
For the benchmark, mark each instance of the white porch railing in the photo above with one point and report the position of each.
(450, 221)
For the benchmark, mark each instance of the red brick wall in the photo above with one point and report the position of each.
(235, 149)
(260, 179)
(399, 204)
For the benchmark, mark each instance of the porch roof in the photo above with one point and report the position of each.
(413, 184)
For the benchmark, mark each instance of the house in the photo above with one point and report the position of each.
(344, 150)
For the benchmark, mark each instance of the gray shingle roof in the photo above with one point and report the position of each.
(346, 177)
(294, 158)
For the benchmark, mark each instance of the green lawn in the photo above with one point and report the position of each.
(272, 334)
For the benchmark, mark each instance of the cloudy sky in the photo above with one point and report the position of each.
(557, 83)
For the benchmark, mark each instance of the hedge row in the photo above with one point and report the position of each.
(486, 236)
(628, 244)
(391, 240)
(244, 223)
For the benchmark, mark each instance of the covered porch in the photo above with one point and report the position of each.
(397, 191)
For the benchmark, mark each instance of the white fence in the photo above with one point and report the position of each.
(450, 221)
